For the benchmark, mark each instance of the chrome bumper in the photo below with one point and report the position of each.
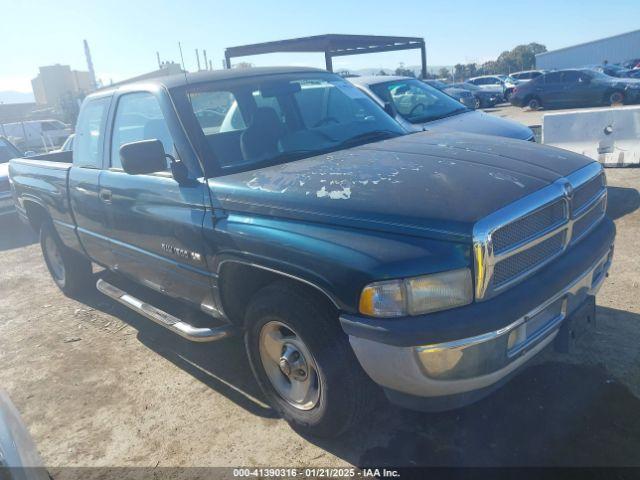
(475, 363)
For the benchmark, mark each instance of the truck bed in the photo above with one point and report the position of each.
(42, 182)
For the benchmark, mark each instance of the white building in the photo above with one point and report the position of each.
(616, 49)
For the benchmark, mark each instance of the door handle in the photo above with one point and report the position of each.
(105, 195)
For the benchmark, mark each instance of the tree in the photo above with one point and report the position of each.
(444, 73)
(243, 65)
(382, 73)
(401, 71)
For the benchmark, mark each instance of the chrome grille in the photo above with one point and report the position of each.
(516, 241)
(513, 266)
(529, 226)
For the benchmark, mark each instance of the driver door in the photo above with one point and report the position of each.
(155, 223)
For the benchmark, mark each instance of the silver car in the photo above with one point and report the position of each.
(7, 152)
(418, 106)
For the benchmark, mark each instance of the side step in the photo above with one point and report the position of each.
(184, 329)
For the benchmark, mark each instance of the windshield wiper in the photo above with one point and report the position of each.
(367, 137)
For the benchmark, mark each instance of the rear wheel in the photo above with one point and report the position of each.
(616, 98)
(534, 103)
(71, 272)
(302, 360)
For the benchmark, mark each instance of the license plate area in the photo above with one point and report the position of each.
(536, 327)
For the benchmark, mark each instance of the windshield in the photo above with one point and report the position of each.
(7, 151)
(257, 121)
(417, 102)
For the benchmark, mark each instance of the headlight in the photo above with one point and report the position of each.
(417, 295)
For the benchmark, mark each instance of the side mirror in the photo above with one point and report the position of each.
(143, 157)
(391, 109)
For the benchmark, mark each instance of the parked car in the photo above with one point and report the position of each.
(612, 70)
(463, 95)
(7, 152)
(19, 458)
(67, 146)
(418, 106)
(575, 88)
(347, 252)
(524, 76)
(491, 83)
(36, 134)
(482, 98)
(632, 64)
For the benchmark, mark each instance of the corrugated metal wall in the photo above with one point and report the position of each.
(613, 49)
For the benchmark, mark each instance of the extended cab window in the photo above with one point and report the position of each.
(258, 121)
(87, 150)
(138, 117)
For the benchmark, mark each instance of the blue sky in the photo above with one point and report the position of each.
(124, 35)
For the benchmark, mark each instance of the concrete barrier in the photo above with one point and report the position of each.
(609, 135)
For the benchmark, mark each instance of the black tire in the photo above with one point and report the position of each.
(615, 98)
(76, 274)
(345, 390)
(534, 103)
(477, 103)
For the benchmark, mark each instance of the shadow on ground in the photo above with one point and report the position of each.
(553, 414)
(15, 234)
(622, 201)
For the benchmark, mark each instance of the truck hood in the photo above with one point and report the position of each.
(423, 184)
(482, 123)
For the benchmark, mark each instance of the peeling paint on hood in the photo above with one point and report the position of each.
(434, 185)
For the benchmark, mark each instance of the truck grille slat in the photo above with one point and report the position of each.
(529, 226)
(510, 268)
(587, 192)
(584, 223)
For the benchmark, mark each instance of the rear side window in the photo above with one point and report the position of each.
(88, 142)
(138, 117)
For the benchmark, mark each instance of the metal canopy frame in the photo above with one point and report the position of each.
(333, 45)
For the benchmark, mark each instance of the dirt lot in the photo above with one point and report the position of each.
(98, 385)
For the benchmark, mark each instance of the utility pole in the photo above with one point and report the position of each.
(198, 59)
(92, 73)
(206, 62)
(159, 62)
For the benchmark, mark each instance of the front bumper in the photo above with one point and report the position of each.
(455, 372)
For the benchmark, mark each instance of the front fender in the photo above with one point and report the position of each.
(336, 260)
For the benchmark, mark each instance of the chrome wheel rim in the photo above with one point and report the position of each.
(615, 98)
(54, 258)
(289, 365)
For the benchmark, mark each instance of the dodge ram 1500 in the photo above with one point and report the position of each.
(346, 251)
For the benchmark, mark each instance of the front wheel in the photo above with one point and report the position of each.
(477, 103)
(71, 272)
(303, 361)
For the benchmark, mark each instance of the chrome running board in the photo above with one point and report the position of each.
(164, 319)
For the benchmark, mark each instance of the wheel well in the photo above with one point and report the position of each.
(239, 282)
(36, 214)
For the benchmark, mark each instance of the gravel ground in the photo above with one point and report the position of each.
(97, 385)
